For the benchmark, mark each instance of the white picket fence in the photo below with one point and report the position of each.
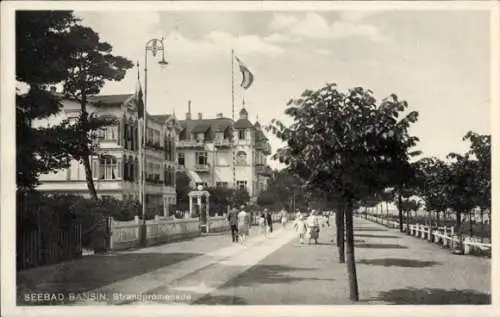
(444, 236)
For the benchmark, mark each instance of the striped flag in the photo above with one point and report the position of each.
(247, 80)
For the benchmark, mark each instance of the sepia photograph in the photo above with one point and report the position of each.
(247, 155)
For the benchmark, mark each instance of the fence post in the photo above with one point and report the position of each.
(110, 232)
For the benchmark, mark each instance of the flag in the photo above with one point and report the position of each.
(247, 80)
(139, 95)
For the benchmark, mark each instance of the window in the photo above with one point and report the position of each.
(241, 184)
(108, 167)
(201, 158)
(181, 159)
(241, 134)
(219, 136)
(95, 168)
(110, 133)
(200, 137)
(241, 158)
(221, 184)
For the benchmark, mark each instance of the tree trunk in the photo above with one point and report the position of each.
(366, 212)
(471, 230)
(387, 210)
(351, 263)
(400, 210)
(457, 225)
(481, 213)
(88, 177)
(339, 221)
(437, 219)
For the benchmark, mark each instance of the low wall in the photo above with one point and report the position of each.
(218, 224)
(128, 234)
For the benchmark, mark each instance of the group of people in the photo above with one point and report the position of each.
(306, 226)
(240, 222)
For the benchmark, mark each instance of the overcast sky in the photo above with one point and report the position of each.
(436, 60)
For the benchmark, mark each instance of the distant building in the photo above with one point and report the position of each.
(115, 168)
(204, 152)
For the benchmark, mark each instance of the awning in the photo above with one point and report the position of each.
(193, 176)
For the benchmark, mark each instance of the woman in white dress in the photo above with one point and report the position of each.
(263, 225)
(300, 227)
(313, 227)
(284, 218)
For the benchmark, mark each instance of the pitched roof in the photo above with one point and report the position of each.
(205, 125)
(110, 99)
(243, 124)
(161, 118)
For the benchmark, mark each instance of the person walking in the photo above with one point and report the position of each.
(313, 227)
(243, 224)
(284, 218)
(232, 218)
(264, 228)
(269, 219)
(300, 227)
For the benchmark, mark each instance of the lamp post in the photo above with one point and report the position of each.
(154, 46)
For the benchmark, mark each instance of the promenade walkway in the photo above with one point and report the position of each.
(392, 268)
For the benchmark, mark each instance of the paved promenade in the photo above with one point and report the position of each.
(392, 269)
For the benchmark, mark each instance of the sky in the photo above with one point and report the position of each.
(438, 61)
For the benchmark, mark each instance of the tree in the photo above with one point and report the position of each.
(433, 173)
(40, 60)
(480, 151)
(220, 198)
(344, 143)
(182, 189)
(91, 65)
(240, 197)
(460, 190)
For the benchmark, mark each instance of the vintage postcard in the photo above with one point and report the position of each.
(249, 158)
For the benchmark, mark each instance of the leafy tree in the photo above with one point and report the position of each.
(220, 198)
(434, 173)
(480, 151)
(91, 65)
(182, 189)
(40, 60)
(240, 197)
(347, 144)
(460, 188)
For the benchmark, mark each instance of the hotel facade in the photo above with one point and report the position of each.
(115, 167)
(205, 152)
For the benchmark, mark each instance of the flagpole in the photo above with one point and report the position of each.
(233, 117)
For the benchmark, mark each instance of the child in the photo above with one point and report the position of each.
(301, 228)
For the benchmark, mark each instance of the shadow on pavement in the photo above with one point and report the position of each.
(381, 246)
(398, 262)
(91, 272)
(366, 235)
(434, 296)
(270, 274)
(220, 300)
(370, 229)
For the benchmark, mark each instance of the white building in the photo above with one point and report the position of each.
(115, 168)
(204, 152)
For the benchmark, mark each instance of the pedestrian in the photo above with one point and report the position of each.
(264, 228)
(284, 218)
(232, 217)
(243, 224)
(300, 227)
(269, 220)
(313, 227)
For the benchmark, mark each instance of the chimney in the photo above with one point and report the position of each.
(219, 115)
(53, 89)
(188, 114)
(200, 116)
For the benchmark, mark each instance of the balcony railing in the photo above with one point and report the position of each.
(222, 143)
(190, 144)
(202, 168)
(261, 169)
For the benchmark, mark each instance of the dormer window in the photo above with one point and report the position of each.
(241, 134)
(200, 136)
(219, 136)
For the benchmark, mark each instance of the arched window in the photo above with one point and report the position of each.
(241, 158)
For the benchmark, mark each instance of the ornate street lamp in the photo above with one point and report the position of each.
(154, 46)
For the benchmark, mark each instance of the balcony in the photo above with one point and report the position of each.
(190, 144)
(263, 170)
(225, 143)
(264, 147)
(203, 168)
